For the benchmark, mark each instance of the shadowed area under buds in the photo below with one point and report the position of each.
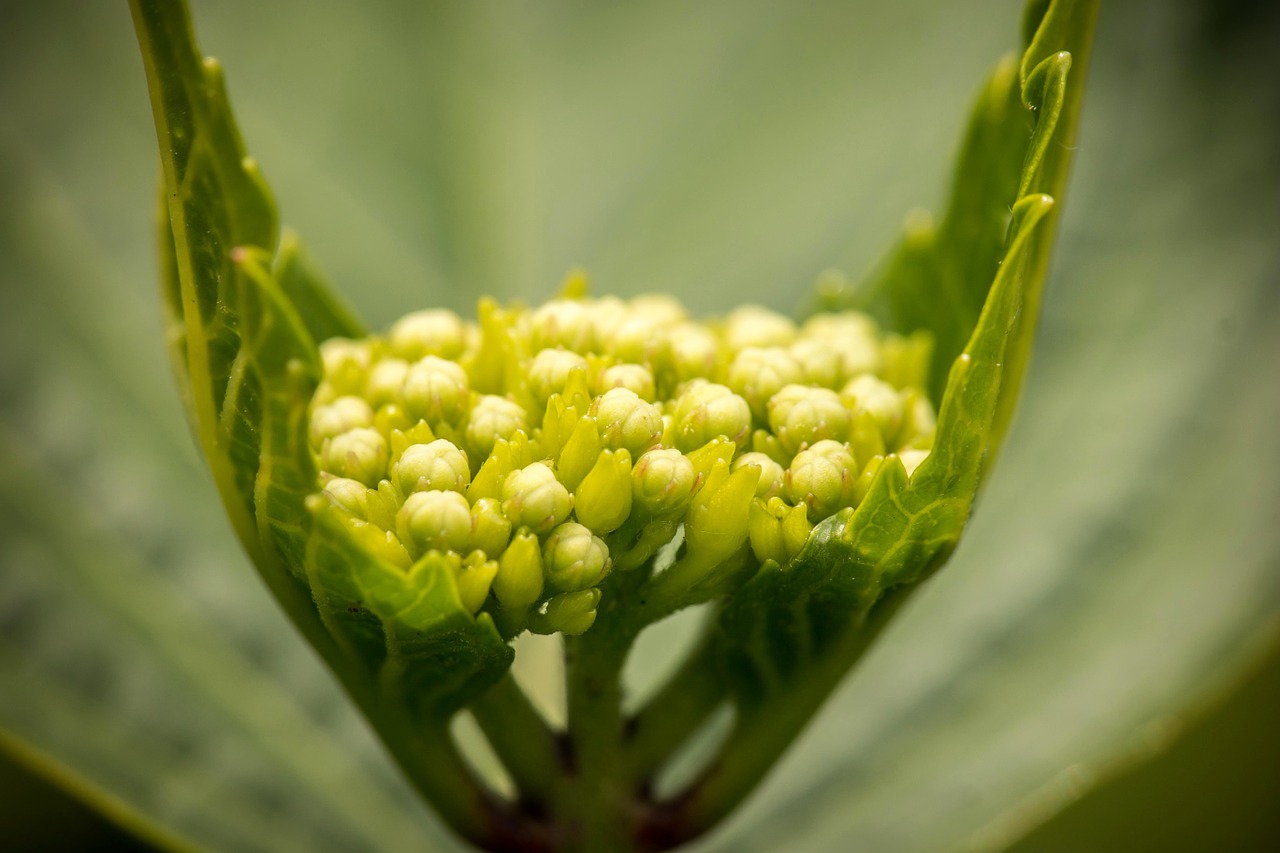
(599, 429)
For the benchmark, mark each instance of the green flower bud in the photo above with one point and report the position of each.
(391, 418)
(625, 421)
(572, 613)
(694, 352)
(706, 411)
(918, 420)
(579, 454)
(862, 486)
(602, 500)
(716, 524)
(562, 323)
(865, 438)
(382, 544)
(348, 495)
(877, 398)
(772, 474)
(493, 418)
(819, 363)
(574, 559)
(436, 390)
(763, 441)
(662, 308)
(386, 381)
(822, 478)
(435, 521)
(346, 363)
(852, 337)
(636, 378)
(906, 360)
(438, 465)
(474, 578)
(342, 415)
(532, 497)
(757, 326)
(799, 416)
(519, 580)
(432, 332)
(548, 373)
(359, 454)
(663, 481)
(759, 373)
(777, 531)
(637, 339)
(490, 527)
(607, 313)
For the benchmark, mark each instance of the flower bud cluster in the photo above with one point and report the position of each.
(538, 450)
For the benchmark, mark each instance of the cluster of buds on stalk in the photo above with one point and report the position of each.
(538, 450)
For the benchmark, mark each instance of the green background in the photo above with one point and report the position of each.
(1122, 574)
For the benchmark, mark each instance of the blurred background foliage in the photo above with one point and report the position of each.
(1120, 581)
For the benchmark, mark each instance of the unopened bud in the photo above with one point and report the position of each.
(562, 323)
(548, 373)
(436, 390)
(346, 364)
(716, 524)
(579, 454)
(519, 580)
(432, 332)
(490, 527)
(435, 521)
(360, 454)
(351, 496)
(572, 613)
(382, 544)
(757, 326)
(694, 352)
(800, 415)
(574, 558)
(822, 478)
(706, 411)
(602, 500)
(636, 378)
(777, 531)
(475, 576)
(758, 373)
(625, 421)
(772, 474)
(342, 415)
(438, 465)
(386, 381)
(662, 481)
(493, 418)
(532, 497)
(878, 399)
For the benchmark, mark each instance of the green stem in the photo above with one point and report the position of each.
(521, 739)
(667, 720)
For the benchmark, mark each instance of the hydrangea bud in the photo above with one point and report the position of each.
(348, 495)
(359, 454)
(757, 326)
(435, 332)
(572, 613)
(877, 398)
(548, 373)
(438, 465)
(492, 418)
(662, 481)
(386, 381)
(862, 486)
(638, 339)
(625, 421)
(532, 497)
(918, 420)
(391, 418)
(435, 521)
(579, 454)
(822, 478)
(772, 474)
(574, 558)
(436, 390)
(346, 363)
(519, 580)
(475, 576)
(490, 527)
(636, 378)
(381, 544)
(706, 411)
(661, 308)
(342, 415)
(562, 323)
(716, 523)
(758, 373)
(777, 531)
(800, 415)
(819, 363)
(853, 339)
(602, 500)
(508, 455)
(693, 351)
